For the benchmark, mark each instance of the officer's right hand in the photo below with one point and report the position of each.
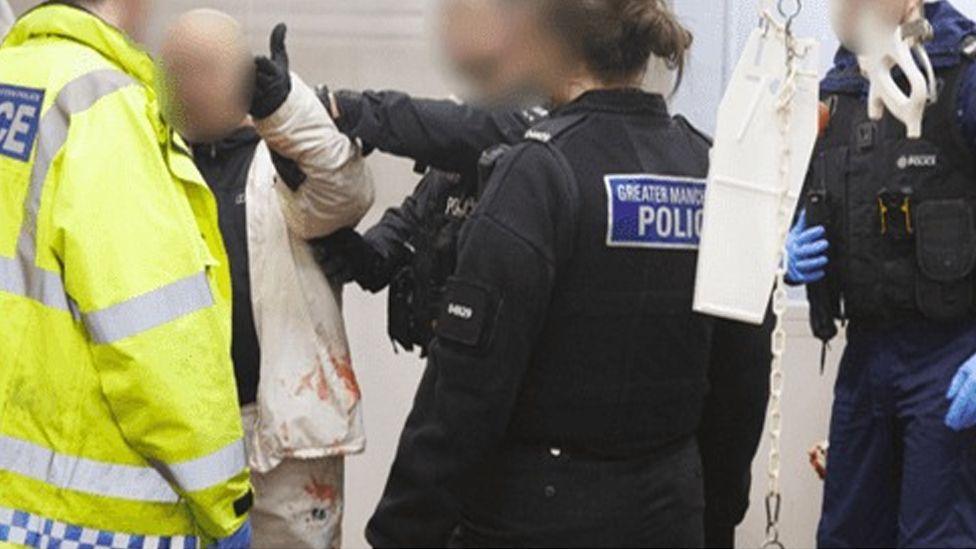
(806, 252)
(346, 256)
(241, 539)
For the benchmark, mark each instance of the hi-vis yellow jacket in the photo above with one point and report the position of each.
(118, 408)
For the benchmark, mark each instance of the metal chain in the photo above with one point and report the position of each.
(774, 420)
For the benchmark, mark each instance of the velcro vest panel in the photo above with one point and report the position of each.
(898, 212)
(622, 359)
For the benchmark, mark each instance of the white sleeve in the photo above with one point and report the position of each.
(339, 189)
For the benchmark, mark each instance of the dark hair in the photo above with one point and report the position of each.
(616, 38)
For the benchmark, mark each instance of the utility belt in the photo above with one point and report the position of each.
(925, 264)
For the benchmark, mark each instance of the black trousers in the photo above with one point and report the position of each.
(732, 424)
(539, 497)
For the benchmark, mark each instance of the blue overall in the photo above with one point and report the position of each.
(896, 475)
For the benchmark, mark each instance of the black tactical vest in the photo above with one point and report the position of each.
(621, 367)
(417, 290)
(899, 215)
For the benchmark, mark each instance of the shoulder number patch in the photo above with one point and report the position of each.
(468, 314)
(20, 113)
(654, 211)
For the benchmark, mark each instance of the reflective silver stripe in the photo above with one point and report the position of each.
(211, 470)
(24, 278)
(32, 281)
(84, 475)
(75, 97)
(149, 310)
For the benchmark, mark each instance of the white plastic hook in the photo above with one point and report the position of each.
(885, 93)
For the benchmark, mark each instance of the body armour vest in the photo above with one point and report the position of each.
(621, 366)
(899, 215)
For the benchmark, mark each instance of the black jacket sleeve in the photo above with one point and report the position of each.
(495, 307)
(733, 419)
(438, 133)
(398, 225)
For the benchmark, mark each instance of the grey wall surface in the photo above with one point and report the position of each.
(388, 44)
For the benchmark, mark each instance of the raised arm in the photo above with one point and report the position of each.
(442, 134)
(338, 189)
(327, 186)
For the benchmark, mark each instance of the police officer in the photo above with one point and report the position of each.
(119, 423)
(567, 373)
(413, 248)
(897, 217)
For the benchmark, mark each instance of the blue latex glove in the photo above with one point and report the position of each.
(806, 252)
(241, 539)
(962, 393)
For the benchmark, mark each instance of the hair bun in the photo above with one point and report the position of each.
(617, 38)
(652, 24)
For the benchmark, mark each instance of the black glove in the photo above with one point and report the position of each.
(272, 82)
(345, 256)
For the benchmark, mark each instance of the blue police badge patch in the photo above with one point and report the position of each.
(20, 113)
(654, 211)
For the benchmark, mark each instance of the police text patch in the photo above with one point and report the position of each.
(654, 211)
(20, 113)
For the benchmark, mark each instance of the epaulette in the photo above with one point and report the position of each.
(547, 130)
(487, 163)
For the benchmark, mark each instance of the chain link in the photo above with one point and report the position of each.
(784, 109)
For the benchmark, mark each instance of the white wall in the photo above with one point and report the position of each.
(385, 43)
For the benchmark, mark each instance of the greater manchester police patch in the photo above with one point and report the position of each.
(20, 112)
(654, 211)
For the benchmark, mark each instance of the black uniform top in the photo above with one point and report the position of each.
(440, 134)
(224, 166)
(522, 261)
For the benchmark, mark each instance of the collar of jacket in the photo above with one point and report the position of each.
(624, 100)
(951, 28)
(72, 23)
(79, 25)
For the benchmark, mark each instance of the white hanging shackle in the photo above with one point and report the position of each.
(884, 34)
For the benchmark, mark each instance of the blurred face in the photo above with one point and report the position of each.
(135, 17)
(207, 73)
(849, 16)
(491, 46)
